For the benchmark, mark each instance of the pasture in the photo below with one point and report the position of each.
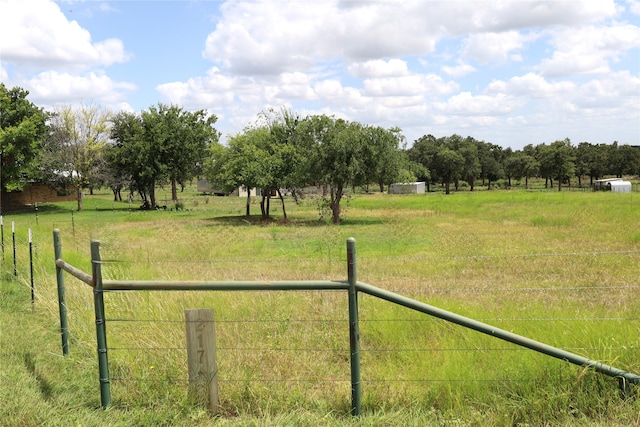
(560, 268)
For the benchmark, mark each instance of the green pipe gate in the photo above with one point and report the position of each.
(351, 285)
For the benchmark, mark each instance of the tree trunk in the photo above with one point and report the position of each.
(446, 187)
(526, 182)
(248, 203)
(269, 204)
(381, 187)
(152, 195)
(263, 209)
(335, 204)
(284, 212)
(174, 191)
(79, 196)
(559, 184)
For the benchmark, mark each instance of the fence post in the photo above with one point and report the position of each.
(13, 240)
(101, 327)
(2, 236)
(354, 334)
(201, 356)
(62, 305)
(33, 296)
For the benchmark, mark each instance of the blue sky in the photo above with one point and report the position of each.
(508, 72)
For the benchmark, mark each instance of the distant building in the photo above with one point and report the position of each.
(617, 185)
(32, 194)
(407, 188)
(204, 187)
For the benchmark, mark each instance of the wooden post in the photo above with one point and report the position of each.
(201, 355)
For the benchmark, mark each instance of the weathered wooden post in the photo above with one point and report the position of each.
(201, 356)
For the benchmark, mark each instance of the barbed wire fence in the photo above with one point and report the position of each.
(323, 361)
(253, 347)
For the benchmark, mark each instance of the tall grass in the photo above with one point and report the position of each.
(559, 268)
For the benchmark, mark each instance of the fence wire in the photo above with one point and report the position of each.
(247, 353)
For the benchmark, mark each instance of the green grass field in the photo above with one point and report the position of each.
(560, 268)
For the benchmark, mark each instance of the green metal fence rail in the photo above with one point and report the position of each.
(351, 285)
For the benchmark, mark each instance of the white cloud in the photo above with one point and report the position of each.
(422, 84)
(459, 70)
(51, 87)
(467, 104)
(36, 32)
(588, 50)
(268, 38)
(634, 6)
(293, 86)
(494, 47)
(379, 68)
(530, 86)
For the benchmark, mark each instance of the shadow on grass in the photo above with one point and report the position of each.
(44, 208)
(256, 220)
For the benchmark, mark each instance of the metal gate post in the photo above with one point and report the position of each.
(354, 334)
(62, 305)
(101, 327)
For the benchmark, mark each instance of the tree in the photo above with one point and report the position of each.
(243, 163)
(285, 157)
(468, 149)
(23, 129)
(449, 166)
(335, 149)
(423, 152)
(132, 158)
(622, 159)
(162, 144)
(382, 158)
(180, 139)
(558, 160)
(490, 158)
(74, 149)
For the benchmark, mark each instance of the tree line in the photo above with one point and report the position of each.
(83, 147)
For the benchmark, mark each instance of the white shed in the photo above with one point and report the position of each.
(620, 186)
(407, 188)
(603, 184)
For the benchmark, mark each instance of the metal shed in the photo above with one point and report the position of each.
(620, 186)
(407, 188)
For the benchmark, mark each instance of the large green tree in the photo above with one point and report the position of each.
(622, 159)
(180, 139)
(468, 149)
(285, 157)
(335, 153)
(382, 157)
(557, 160)
(75, 146)
(243, 163)
(23, 128)
(490, 157)
(162, 144)
(423, 153)
(449, 165)
(127, 158)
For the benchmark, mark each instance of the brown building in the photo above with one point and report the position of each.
(32, 194)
